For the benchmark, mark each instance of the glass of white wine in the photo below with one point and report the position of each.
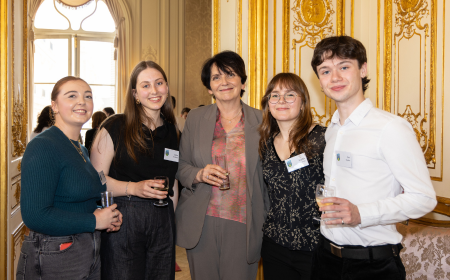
(323, 191)
(165, 188)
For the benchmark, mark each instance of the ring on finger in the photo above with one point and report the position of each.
(207, 177)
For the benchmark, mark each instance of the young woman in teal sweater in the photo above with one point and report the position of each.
(60, 188)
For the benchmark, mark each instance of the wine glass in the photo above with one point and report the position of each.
(222, 162)
(165, 188)
(323, 191)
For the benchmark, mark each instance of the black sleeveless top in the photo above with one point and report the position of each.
(150, 163)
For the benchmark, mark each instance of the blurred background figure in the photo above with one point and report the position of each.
(43, 123)
(97, 119)
(108, 111)
(182, 118)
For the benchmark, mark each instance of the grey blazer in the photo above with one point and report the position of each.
(195, 154)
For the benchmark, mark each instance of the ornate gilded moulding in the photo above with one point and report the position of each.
(409, 20)
(313, 21)
(19, 97)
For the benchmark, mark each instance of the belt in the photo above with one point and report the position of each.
(366, 253)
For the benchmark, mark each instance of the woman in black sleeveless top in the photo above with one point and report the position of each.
(131, 149)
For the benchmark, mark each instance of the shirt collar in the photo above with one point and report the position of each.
(357, 115)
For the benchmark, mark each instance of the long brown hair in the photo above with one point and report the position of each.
(135, 115)
(298, 136)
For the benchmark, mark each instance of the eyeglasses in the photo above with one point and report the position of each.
(274, 98)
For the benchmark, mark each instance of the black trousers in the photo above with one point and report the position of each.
(281, 263)
(144, 247)
(327, 266)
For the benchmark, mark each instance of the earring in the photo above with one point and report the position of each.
(138, 102)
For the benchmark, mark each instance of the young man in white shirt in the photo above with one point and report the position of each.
(375, 164)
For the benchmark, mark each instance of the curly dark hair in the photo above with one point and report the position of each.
(44, 119)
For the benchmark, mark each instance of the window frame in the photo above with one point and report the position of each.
(74, 38)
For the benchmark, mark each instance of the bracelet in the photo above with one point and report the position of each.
(126, 191)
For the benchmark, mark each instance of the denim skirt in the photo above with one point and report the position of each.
(41, 257)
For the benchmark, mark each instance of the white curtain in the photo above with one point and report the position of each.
(121, 45)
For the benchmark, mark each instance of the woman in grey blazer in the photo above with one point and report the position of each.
(221, 229)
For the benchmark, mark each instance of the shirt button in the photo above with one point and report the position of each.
(334, 179)
(341, 133)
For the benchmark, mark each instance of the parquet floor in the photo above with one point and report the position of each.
(183, 263)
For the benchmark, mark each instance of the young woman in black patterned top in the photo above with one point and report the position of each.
(288, 134)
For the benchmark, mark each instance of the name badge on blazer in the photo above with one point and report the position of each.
(296, 162)
(171, 155)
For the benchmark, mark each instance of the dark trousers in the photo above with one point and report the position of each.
(144, 247)
(281, 263)
(327, 266)
(41, 257)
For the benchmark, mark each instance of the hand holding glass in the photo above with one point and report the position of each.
(323, 191)
(165, 188)
(107, 199)
(222, 162)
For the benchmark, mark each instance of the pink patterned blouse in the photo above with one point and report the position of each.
(230, 204)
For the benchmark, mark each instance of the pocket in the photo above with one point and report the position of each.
(50, 245)
(21, 265)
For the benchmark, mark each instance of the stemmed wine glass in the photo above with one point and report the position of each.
(323, 191)
(165, 188)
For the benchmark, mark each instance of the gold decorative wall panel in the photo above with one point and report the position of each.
(415, 100)
(19, 113)
(3, 137)
(216, 25)
(258, 48)
(17, 238)
(286, 32)
(340, 17)
(239, 28)
(198, 46)
(313, 21)
(387, 54)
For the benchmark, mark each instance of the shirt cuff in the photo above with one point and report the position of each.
(369, 215)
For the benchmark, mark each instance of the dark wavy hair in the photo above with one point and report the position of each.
(97, 119)
(109, 111)
(342, 47)
(135, 115)
(298, 137)
(44, 119)
(227, 62)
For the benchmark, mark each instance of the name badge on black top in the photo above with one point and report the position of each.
(102, 177)
(171, 155)
(296, 162)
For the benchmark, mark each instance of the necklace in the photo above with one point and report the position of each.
(229, 120)
(76, 148)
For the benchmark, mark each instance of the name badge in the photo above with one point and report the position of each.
(171, 155)
(296, 162)
(344, 159)
(102, 177)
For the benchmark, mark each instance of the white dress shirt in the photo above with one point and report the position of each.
(388, 179)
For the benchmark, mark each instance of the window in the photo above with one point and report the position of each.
(77, 42)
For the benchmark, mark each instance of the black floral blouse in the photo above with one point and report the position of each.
(292, 196)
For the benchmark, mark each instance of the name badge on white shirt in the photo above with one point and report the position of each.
(344, 159)
(102, 177)
(296, 162)
(171, 155)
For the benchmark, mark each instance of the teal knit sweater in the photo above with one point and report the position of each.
(59, 190)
